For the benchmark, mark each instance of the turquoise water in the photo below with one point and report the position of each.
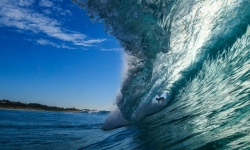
(196, 54)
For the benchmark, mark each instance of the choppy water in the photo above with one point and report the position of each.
(29, 130)
(49, 130)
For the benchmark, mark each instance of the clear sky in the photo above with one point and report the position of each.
(51, 53)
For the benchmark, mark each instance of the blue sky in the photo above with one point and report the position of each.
(51, 53)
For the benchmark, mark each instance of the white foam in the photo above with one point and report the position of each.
(114, 120)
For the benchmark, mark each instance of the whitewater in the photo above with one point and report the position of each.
(196, 54)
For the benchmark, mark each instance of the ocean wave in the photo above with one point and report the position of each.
(167, 43)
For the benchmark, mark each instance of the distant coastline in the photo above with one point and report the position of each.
(6, 104)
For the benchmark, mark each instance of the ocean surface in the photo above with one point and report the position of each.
(40, 130)
(194, 53)
(43, 130)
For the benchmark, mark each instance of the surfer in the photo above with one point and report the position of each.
(160, 99)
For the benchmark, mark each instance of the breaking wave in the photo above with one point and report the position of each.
(195, 53)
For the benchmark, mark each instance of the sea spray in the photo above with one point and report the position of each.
(114, 120)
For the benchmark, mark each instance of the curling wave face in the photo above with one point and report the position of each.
(167, 42)
(212, 110)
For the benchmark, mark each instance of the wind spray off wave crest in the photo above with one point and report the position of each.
(167, 41)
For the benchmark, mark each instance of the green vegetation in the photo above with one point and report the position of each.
(34, 106)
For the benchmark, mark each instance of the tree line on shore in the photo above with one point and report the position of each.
(18, 105)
